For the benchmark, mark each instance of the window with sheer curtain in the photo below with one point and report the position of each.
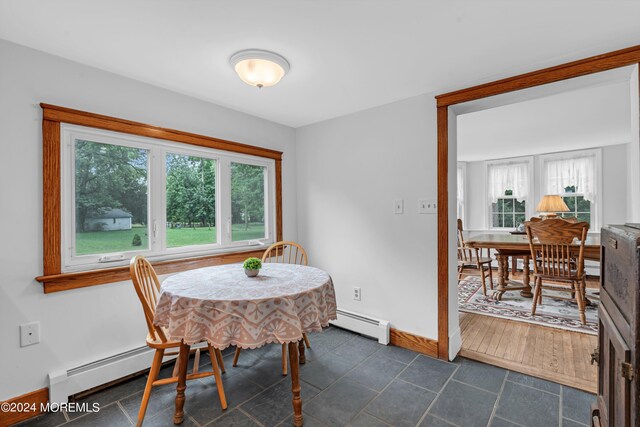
(574, 177)
(508, 192)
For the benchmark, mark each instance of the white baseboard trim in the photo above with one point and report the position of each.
(455, 344)
(362, 324)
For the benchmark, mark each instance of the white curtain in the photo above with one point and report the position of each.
(579, 172)
(508, 176)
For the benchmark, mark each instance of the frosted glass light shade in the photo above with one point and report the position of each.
(552, 203)
(259, 68)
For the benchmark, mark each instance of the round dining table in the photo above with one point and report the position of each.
(224, 307)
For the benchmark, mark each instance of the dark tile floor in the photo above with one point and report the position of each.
(348, 380)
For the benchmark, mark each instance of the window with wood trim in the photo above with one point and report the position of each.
(576, 177)
(509, 188)
(114, 189)
(126, 195)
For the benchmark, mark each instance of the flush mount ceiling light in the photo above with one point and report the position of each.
(259, 68)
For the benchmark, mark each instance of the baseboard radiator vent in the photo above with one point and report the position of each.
(365, 325)
(63, 384)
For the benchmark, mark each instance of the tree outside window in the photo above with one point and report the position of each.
(508, 212)
(578, 206)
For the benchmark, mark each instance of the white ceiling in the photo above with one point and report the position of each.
(584, 118)
(345, 55)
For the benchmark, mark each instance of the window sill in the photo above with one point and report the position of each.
(83, 279)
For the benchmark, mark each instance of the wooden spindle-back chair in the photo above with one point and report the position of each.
(282, 253)
(147, 286)
(558, 258)
(472, 257)
(285, 253)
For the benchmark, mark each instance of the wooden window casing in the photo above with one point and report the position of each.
(53, 279)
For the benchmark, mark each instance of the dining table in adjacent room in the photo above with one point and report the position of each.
(517, 245)
(225, 307)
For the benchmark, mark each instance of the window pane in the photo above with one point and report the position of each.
(583, 205)
(584, 217)
(520, 206)
(191, 200)
(520, 219)
(508, 220)
(508, 205)
(571, 202)
(496, 220)
(110, 198)
(494, 207)
(247, 202)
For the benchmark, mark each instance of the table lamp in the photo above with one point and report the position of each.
(550, 204)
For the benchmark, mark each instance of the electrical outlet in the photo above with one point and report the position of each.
(29, 334)
(427, 206)
(398, 206)
(357, 294)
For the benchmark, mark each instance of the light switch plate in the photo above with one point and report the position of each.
(398, 206)
(427, 206)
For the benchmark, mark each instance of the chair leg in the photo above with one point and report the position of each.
(306, 340)
(580, 300)
(490, 276)
(540, 296)
(482, 279)
(536, 296)
(236, 356)
(220, 361)
(153, 375)
(174, 373)
(284, 360)
(196, 361)
(218, 377)
(460, 271)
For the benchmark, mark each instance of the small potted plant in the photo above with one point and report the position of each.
(252, 266)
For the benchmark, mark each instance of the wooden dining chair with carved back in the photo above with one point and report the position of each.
(558, 259)
(282, 253)
(473, 258)
(147, 286)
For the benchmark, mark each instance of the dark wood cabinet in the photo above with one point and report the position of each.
(618, 402)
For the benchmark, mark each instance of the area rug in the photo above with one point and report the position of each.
(553, 312)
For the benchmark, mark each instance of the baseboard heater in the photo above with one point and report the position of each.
(65, 383)
(365, 325)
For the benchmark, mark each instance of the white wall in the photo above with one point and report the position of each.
(350, 171)
(592, 116)
(614, 188)
(84, 325)
(614, 185)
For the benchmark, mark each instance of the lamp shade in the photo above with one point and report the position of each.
(259, 68)
(552, 203)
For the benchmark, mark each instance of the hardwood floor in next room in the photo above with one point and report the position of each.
(549, 353)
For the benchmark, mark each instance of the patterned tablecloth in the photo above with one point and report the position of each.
(225, 307)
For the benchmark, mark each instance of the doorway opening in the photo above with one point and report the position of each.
(526, 126)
